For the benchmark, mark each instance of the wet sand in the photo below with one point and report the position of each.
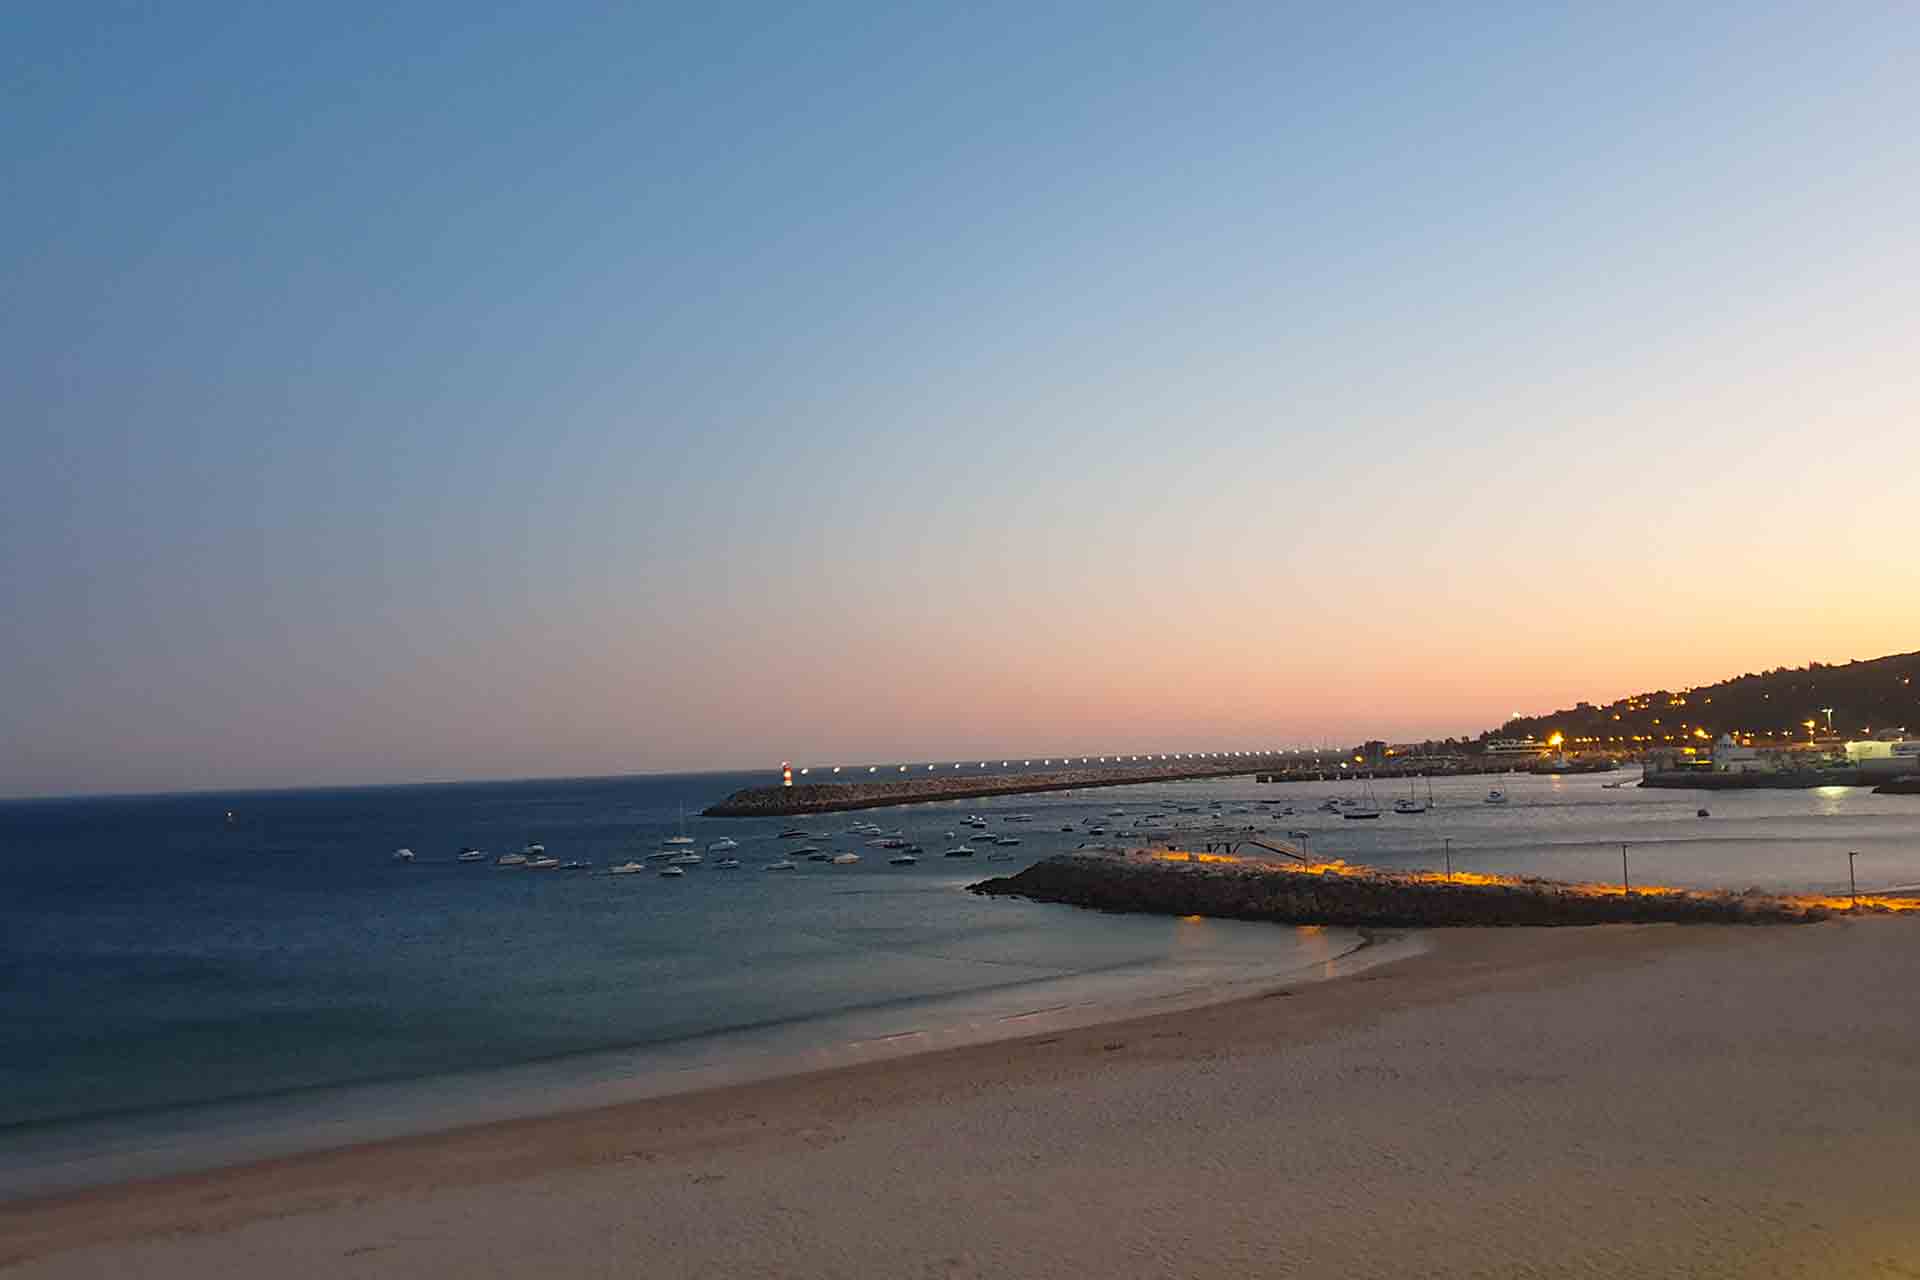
(1626, 1100)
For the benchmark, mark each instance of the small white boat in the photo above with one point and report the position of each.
(724, 842)
(1496, 796)
(575, 864)
(958, 851)
(784, 864)
(1018, 817)
(819, 855)
(681, 841)
(1408, 806)
(727, 864)
(685, 860)
(670, 871)
(903, 860)
(627, 868)
(403, 855)
(845, 859)
(1007, 840)
(511, 860)
(1359, 812)
(543, 864)
(471, 855)
(792, 833)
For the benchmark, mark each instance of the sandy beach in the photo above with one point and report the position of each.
(1617, 1101)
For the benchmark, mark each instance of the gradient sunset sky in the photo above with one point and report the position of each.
(449, 390)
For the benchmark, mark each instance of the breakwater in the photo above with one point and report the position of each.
(1164, 883)
(1702, 780)
(839, 797)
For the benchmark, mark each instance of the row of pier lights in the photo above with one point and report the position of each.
(788, 772)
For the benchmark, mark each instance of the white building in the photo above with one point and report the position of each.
(1730, 757)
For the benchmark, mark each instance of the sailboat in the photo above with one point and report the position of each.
(683, 840)
(1365, 808)
(1411, 805)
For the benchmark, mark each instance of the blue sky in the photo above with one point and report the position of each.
(472, 391)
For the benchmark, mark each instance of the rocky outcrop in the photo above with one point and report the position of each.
(1164, 885)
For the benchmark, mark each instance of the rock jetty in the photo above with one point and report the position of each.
(1165, 883)
(838, 797)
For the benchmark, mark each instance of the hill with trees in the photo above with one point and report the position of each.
(1863, 697)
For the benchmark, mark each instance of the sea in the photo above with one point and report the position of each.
(191, 980)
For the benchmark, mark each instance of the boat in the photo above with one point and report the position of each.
(627, 868)
(784, 864)
(1357, 810)
(1067, 829)
(819, 855)
(1496, 796)
(1412, 804)
(724, 842)
(1007, 840)
(999, 857)
(1116, 813)
(671, 871)
(685, 860)
(806, 851)
(1613, 786)
(470, 854)
(1018, 817)
(1702, 813)
(403, 855)
(792, 833)
(511, 860)
(845, 859)
(903, 860)
(727, 864)
(681, 841)
(575, 864)
(1096, 831)
(543, 864)
(958, 851)
(1299, 835)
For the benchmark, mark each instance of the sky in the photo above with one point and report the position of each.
(443, 390)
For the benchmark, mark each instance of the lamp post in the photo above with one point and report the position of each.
(1449, 860)
(1853, 886)
(1626, 885)
(1829, 714)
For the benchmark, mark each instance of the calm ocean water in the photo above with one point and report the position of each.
(176, 983)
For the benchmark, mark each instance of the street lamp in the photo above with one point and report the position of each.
(1853, 886)
(1626, 885)
(1829, 711)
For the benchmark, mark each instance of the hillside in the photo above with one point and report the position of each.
(1774, 705)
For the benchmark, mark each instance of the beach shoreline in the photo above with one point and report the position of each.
(776, 1136)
